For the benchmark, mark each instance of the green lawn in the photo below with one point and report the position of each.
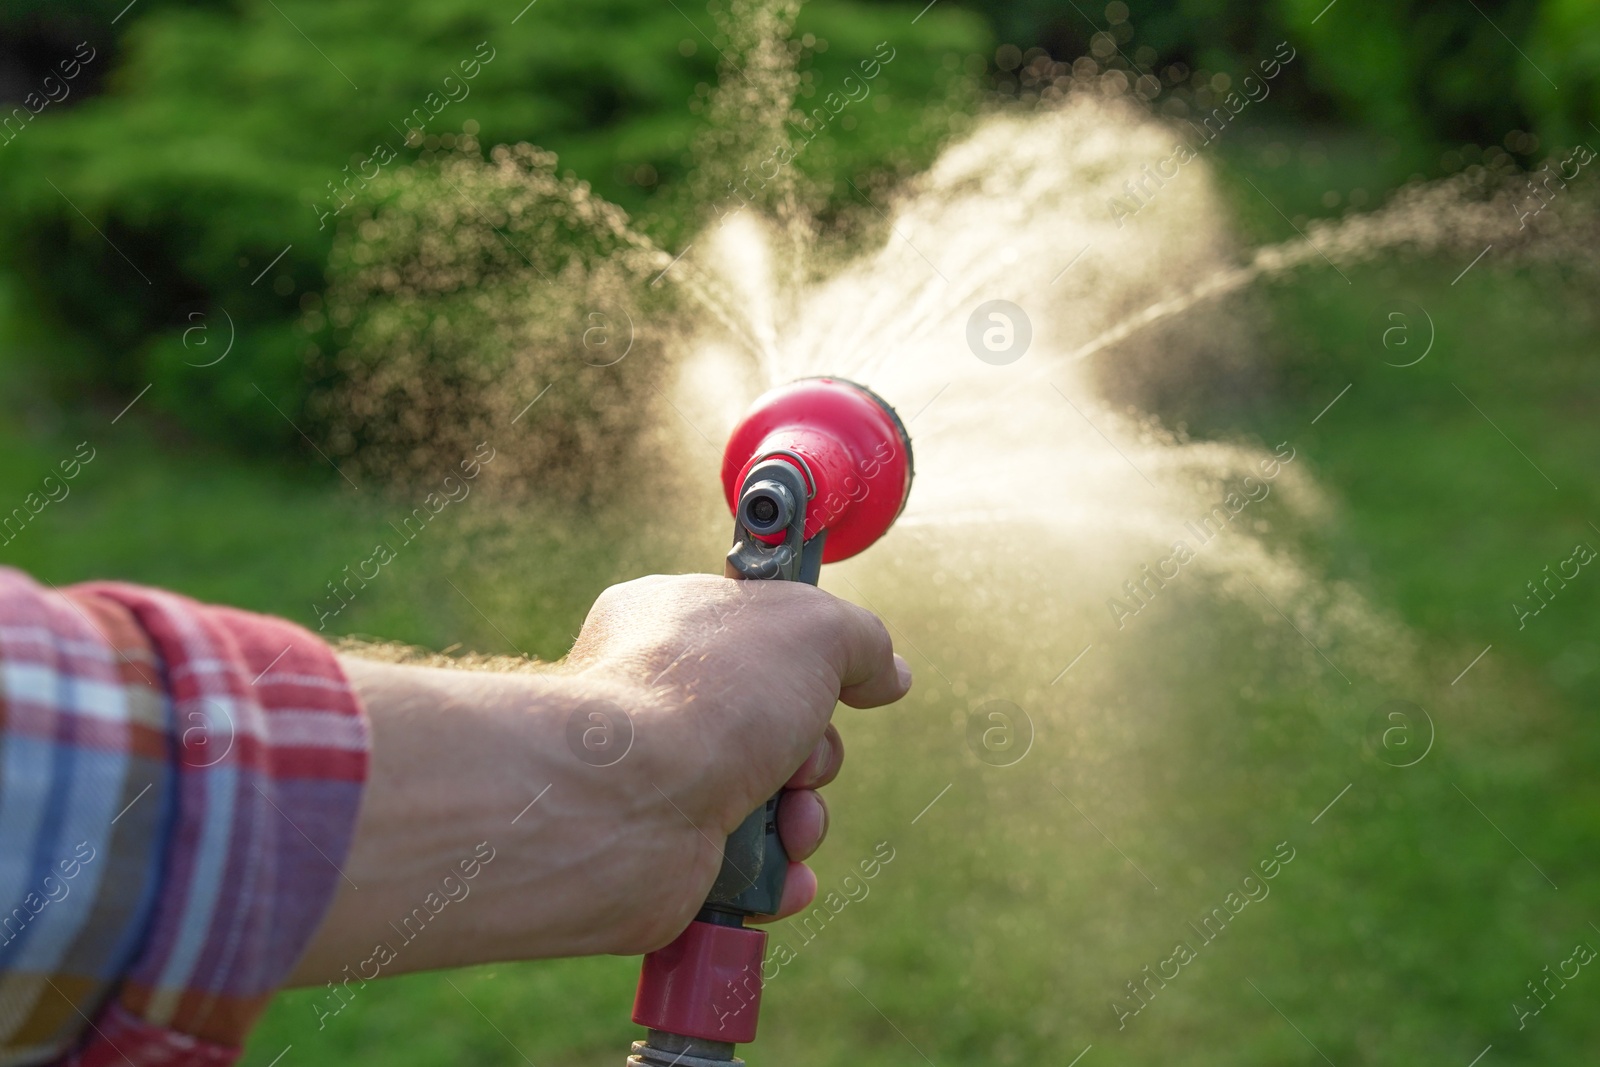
(1407, 922)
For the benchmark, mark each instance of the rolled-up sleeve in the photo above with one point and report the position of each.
(179, 785)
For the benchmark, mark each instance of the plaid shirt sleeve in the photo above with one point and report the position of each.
(179, 785)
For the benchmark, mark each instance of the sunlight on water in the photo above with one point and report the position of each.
(1023, 453)
(1024, 461)
(1025, 471)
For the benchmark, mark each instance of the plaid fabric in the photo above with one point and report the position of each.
(178, 785)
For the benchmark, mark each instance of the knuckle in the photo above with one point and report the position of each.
(613, 595)
(876, 636)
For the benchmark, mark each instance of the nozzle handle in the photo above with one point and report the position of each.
(754, 862)
(705, 987)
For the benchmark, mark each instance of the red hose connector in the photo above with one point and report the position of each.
(706, 984)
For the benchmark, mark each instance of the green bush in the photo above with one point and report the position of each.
(145, 220)
(1437, 72)
(192, 204)
(1565, 43)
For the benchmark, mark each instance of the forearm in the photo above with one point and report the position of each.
(451, 865)
(723, 691)
(453, 817)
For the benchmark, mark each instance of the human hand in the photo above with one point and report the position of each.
(728, 688)
(740, 680)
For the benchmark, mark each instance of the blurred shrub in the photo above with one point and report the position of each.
(1431, 71)
(468, 291)
(193, 200)
(1565, 42)
(1434, 70)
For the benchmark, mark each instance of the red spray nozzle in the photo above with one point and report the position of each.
(851, 448)
(815, 472)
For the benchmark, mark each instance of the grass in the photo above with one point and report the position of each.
(1407, 922)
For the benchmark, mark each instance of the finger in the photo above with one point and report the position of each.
(822, 766)
(802, 822)
(870, 673)
(799, 890)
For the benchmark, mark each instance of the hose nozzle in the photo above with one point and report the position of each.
(816, 471)
(848, 446)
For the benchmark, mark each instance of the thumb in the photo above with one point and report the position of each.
(870, 674)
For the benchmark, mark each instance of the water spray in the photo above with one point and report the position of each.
(815, 472)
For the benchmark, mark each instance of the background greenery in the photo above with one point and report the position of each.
(203, 137)
(198, 139)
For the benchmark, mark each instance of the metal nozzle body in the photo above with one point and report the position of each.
(769, 526)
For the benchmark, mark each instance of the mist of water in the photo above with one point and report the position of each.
(1038, 560)
(476, 287)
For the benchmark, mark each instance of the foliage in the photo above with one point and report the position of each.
(473, 289)
(146, 220)
(1434, 71)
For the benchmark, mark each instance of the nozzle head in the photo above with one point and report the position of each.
(766, 508)
(850, 448)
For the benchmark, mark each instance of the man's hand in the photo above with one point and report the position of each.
(726, 689)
